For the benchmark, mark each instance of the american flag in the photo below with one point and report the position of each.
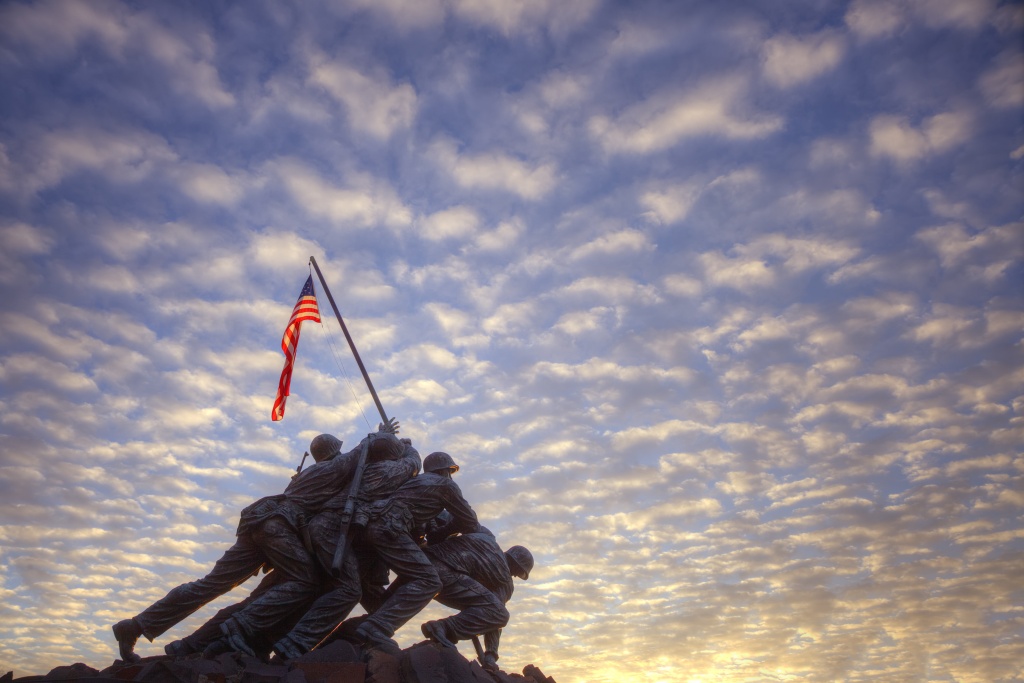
(305, 309)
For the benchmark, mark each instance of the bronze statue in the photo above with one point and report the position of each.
(271, 533)
(476, 579)
(391, 528)
(379, 481)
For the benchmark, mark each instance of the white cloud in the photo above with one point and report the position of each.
(121, 156)
(1003, 83)
(716, 108)
(187, 57)
(502, 238)
(610, 289)
(763, 476)
(375, 105)
(461, 327)
(280, 252)
(738, 273)
(560, 89)
(33, 368)
(940, 204)
(510, 319)
(682, 285)
(671, 205)
(417, 391)
(945, 324)
(24, 239)
(632, 38)
(457, 222)
(367, 202)
(596, 369)
(842, 207)
(877, 309)
(874, 18)
(800, 254)
(962, 14)
(831, 152)
(760, 263)
(18, 241)
(619, 243)
(58, 30)
(209, 184)
(58, 27)
(662, 431)
(894, 136)
(559, 16)
(871, 19)
(109, 279)
(793, 60)
(576, 323)
(957, 246)
(644, 518)
(497, 171)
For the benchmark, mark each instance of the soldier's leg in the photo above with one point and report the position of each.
(373, 577)
(199, 639)
(480, 610)
(331, 608)
(419, 579)
(295, 590)
(239, 562)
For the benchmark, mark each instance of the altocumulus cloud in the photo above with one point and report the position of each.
(719, 309)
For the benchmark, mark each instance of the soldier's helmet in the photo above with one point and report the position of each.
(324, 447)
(384, 446)
(437, 461)
(521, 558)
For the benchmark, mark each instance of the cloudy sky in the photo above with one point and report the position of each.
(718, 305)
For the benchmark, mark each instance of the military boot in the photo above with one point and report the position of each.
(437, 631)
(373, 636)
(127, 632)
(286, 649)
(236, 637)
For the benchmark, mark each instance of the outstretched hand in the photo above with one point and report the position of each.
(391, 426)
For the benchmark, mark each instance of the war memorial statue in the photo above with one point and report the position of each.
(416, 524)
(332, 540)
(271, 533)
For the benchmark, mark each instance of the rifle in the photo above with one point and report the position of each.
(344, 539)
(480, 658)
(479, 649)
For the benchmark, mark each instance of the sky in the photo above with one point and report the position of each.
(718, 305)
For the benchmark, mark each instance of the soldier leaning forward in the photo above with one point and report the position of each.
(268, 535)
(391, 530)
(476, 579)
(344, 591)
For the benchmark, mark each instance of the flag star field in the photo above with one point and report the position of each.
(719, 306)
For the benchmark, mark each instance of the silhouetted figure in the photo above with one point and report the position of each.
(476, 579)
(269, 533)
(392, 530)
(344, 591)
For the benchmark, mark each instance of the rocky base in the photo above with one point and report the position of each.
(339, 662)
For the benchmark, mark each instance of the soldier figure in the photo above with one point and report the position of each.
(379, 481)
(391, 530)
(268, 534)
(476, 578)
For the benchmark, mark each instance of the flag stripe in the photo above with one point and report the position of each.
(305, 309)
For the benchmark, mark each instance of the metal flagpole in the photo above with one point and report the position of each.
(351, 344)
(348, 511)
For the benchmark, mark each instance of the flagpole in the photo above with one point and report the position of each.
(351, 344)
